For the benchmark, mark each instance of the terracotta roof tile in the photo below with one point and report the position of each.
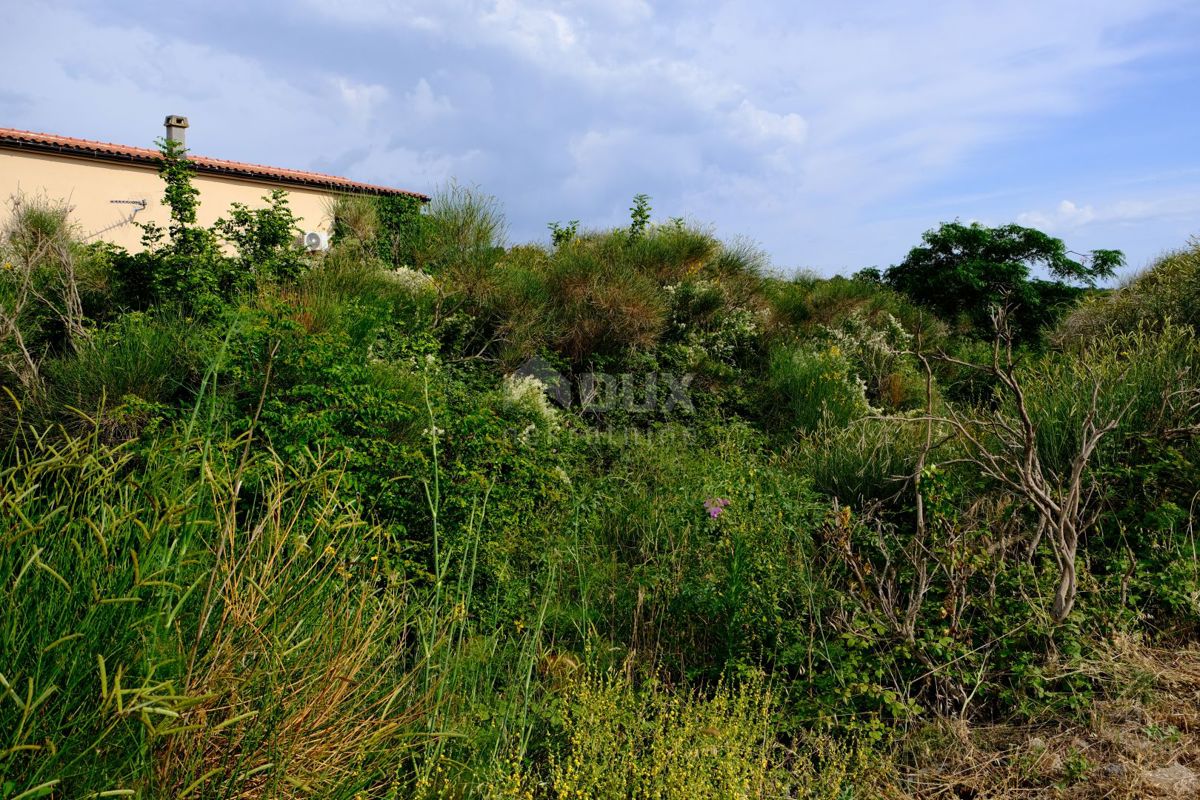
(47, 142)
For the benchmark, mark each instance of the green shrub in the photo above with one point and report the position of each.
(882, 357)
(627, 743)
(583, 300)
(1145, 379)
(808, 304)
(1143, 476)
(352, 290)
(390, 225)
(461, 236)
(600, 297)
(670, 253)
(354, 217)
(48, 281)
(698, 590)
(812, 388)
(264, 238)
(140, 360)
(866, 462)
(713, 327)
(1169, 291)
(601, 303)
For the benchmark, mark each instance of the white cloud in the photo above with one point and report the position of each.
(532, 30)
(426, 169)
(423, 102)
(361, 99)
(1066, 215)
(863, 103)
(1166, 204)
(769, 127)
(607, 161)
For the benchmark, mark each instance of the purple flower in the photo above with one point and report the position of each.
(715, 506)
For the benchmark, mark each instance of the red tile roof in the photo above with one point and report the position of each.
(65, 145)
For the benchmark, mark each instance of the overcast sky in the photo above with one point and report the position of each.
(831, 136)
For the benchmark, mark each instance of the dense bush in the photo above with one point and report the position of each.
(276, 524)
(1169, 291)
(814, 387)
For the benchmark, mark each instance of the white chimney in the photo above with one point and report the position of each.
(176, 128)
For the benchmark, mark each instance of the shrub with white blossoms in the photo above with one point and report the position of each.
(414, 281)
(528, 394)
(705, 325)
(880, 353)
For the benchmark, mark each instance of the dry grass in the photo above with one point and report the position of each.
(1149, 719)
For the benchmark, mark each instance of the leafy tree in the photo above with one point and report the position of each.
(265, 238)
(182, 199)
(182, 264)
(962, 271)
(870, 275)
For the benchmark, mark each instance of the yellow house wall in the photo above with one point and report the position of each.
(89, 187)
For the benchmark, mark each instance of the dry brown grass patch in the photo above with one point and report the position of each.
(1148, 720)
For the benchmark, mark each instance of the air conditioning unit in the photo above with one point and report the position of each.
(315, 241)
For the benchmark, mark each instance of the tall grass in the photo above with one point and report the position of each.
(153, 358)
(166, 635)
(1167, 292)
(814, 387)
(1147, 380)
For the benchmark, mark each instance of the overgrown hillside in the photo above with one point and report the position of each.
(621, 514)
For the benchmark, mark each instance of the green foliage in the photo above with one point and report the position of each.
(809, 303)
(141, 655)
(625, 742)
(462, 234)
(179, 195)
(324, 545)
(698, 592)
(871, 275)
(961, 271)
(712, 332)
(604, 302)
(882, 355)
(265, 238)
(814, 388)
(182, 265)
(42, 272)
(586, 300)
(1167, 292)
(1146, 472)
(354, 217)
(400, 227)
(862, 464)
(561, 234)
(147, 360)
(639, 216)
